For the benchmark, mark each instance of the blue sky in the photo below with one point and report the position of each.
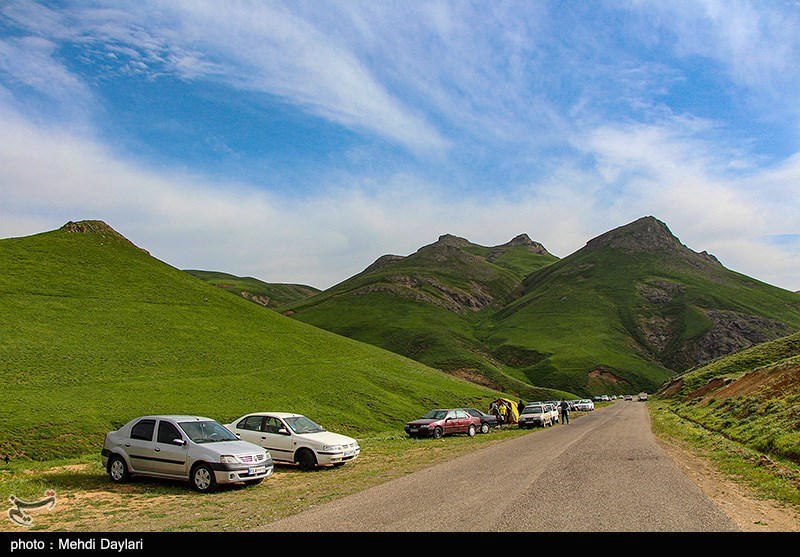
(299, 141)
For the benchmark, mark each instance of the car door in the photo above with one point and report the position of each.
(171, 450)
(277, 438)
(450, 422)
(250, 429)
(140, 446)
(462, 420)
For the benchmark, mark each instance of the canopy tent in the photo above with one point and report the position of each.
(506, 408)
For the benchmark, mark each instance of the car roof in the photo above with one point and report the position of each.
(275, 414)
(175, 417)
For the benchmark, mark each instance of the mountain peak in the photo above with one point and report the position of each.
(96, 227)
(645, 234)
(89, 227)
(525, 240)
(451, 240)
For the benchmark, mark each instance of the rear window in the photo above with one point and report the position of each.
(143, 429)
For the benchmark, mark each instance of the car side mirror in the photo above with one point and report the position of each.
(239, 435)
(179, 442)
(283, 431)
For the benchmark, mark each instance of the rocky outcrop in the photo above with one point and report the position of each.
(258, 299)
(430, 290)
(97, 227)
(731, 332)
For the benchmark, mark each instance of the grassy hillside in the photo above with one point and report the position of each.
(426, 306)
(271, 295)
(633, 305)
(621, 315)
(96, 332)
(752, 397)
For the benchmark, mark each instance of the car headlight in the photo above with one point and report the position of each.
(228, 459)
(332, 448)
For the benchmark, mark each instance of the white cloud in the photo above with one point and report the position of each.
(49, 177)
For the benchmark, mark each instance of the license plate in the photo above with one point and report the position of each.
(414, 429)
(257, 470)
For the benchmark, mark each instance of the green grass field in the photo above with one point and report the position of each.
(96, 332)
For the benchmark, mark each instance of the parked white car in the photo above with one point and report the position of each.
(585, 405)
(294, 438)
(185, 448)
(535, 414)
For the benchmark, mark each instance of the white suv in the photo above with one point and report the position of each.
(536, 414)
(294, 438)
(186, 448)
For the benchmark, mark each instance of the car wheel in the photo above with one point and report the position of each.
(203, 479)
(484, 427)
(118, 470)
(437, 433)
(306, 459)
(471, 431)
(253, 482)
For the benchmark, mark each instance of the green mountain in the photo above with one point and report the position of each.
(267, 294)
(95, 332)
(623, 314)
(428, 305)
(752, 397)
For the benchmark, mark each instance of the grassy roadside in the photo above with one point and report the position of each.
(88, 501)
(765, 476)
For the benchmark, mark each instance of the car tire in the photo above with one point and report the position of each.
(306, 459)
(484, 428)
(437, 433)
(118, 470)
(471, 431)
(203, 479)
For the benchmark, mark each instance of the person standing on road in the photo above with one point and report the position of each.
(564, 407)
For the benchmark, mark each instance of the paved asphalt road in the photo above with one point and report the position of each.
(604, 472)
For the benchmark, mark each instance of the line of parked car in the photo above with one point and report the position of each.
(448, 421)
(207, 453)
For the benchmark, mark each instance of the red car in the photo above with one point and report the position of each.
(437, 423)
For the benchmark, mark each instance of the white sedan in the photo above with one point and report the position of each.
(294, 438)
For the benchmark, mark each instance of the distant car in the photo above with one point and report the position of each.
(294, 438)
(605, 398)
(443, 421)
(536, 414)
(584, 405)
(487, 420)
(628, 397)
(642, 397)
(598, 398)
(184, 448)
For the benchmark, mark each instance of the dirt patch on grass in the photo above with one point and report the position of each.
(474, 376)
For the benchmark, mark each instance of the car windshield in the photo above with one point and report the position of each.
(301, 424)
(435, 415)
(207, 432)
(533, 410)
